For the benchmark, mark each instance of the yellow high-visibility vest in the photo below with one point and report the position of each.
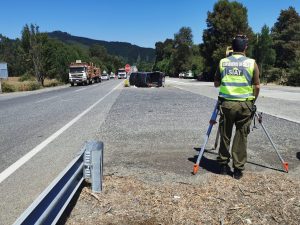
(236, 78)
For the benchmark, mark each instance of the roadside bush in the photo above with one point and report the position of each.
(52, 83)
(26, 77)
(8, 87)
(294, 78)
(273, 74)
(29, 86)
(34, 86)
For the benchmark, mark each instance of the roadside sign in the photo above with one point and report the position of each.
(127, 68)
(3, 70)
(3, 73)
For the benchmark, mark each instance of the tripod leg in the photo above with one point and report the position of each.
(284, 163)
(212, 121)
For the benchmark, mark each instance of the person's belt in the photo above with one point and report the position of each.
(229, 100)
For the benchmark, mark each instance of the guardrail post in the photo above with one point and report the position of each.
(93, 164)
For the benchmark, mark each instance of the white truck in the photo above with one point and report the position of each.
(83, 73)
(122, 73)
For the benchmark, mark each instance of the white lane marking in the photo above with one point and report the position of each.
(81, 89)
(193, 84)
(12, 168)
(179, 87)
(46, 99)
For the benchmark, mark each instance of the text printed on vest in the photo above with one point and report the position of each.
(236, 64)
(234, 72)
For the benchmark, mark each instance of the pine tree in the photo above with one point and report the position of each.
(286, 36)
(263, 51)
(227, 20)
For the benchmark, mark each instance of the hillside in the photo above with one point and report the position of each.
(123, 49)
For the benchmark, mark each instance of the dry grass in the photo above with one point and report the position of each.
(256, 199)
(12, 84)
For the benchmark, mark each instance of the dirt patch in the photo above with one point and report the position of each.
(270, 198)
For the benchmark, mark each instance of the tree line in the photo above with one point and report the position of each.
(37, 55)
(276, 49)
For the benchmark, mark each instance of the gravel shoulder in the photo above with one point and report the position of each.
(151, 139)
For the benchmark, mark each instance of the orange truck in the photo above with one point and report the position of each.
(83, 73)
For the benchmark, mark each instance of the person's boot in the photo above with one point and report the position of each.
(237, 174)
(224, 169)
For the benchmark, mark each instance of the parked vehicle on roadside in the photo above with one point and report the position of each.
(189, 74)
(148, 79)
(83, 73)
(132, 78)
(181, 75)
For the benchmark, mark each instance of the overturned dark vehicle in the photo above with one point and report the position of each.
(147, 79)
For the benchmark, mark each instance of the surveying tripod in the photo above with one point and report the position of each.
(213, 121)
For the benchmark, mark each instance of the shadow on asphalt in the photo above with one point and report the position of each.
(298, 155)
(213, 166)
(210, 165)
(266, 167)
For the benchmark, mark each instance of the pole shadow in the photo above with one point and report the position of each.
(210, 151)
(214, 167)
(298, 155)
(266, 167)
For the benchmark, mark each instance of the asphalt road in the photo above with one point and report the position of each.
(55, 124)
(150, 133)
(280, 101)
(158, 137)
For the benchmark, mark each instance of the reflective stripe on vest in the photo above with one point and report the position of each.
(236, 78)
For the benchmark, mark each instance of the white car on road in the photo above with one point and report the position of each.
(104, 76)
(112, 75)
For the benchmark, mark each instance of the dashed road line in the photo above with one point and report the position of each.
(81, 89)
(46, 99)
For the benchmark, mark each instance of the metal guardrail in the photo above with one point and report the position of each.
(52, 202)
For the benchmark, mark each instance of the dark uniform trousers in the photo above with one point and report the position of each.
(236, 113)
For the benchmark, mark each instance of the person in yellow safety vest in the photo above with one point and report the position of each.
(238, 79)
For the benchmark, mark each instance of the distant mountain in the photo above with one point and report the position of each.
(129, 52)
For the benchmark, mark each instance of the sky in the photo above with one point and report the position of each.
(139, 22)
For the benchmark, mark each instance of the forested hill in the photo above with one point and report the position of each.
(131, 53)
